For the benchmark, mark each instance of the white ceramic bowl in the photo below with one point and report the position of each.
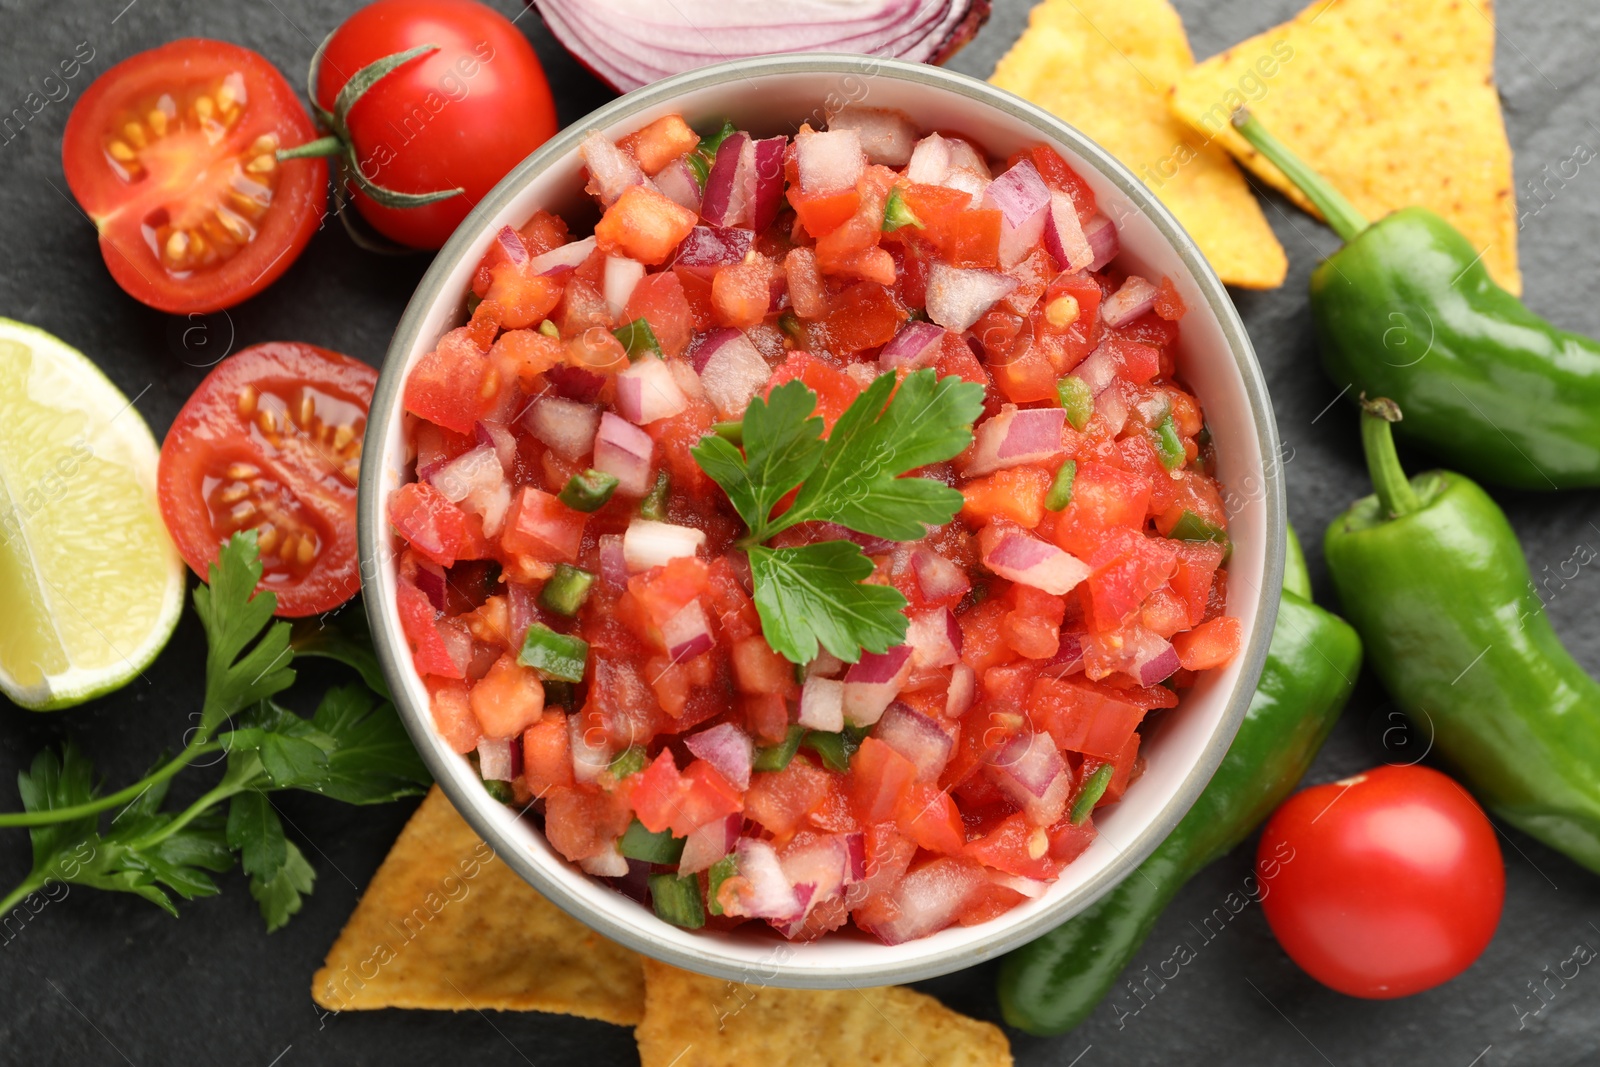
(770, 96)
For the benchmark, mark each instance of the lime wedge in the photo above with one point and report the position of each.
(90, 584)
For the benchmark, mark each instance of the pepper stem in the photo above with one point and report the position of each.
(1377, 439)
(1346, 221)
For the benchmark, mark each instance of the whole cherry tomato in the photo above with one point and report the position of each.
(1383, 884)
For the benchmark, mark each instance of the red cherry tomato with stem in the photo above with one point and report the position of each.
(1383, 884)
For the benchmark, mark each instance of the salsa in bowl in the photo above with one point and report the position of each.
(796, 537)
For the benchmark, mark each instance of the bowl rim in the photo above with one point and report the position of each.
(372, 531)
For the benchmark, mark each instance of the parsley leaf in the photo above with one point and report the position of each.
(782, 446)
(815, 593)
(233, 614)
(279, 873)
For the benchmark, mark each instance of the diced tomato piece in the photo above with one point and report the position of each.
(1024, 374)
(1121, 771)
(835, 389)
(808, 296)
(543, 232)
(956, 357)
(1211, 644)
(1016, 493)
(889, 854)
(644, 225)
(780, 800)
(989, 900)
(654, 791)
(1069, 345)
(447, 385)
(547, 754)
(1083, 716)
(659, 300)
(579, 822)
(429, 523)
(767, 716)
(929, 817)
(437, 446)
(452, 715)
(740, 293)
(1058, 174)
(697, 292)
(525, 298)
(664, 591)
(664, 140)
(583, 307)
(541, 526)
(1164, 613)
(523, 355)
(1103, 497)
(1033, 627)
(1127, 568)
(976, 240)
(832, 813)
(837, 248)
(1169, 305)
(911, 257)
(508, 699)
(1196, 492)
(758, 669)
(863, 316)
(869, 264)
(622, 704)
(1197, 565)
(996, 330)
(880, 777)
(1007, 686)
(732, 608)
(940, 210)
(1017, 847)
(1136, 362)
(1068, 839)
(823, 213)
(982, 643)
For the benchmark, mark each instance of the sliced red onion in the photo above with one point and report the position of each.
(767, 182)
(872, 683)
(763, 892)
(1064, 236)
(930, 161)
(647, 543)
(958, 297)
(707, 844)
(887, 137)
(822, 704)
(611, 170)
(727, 748)
(963, 691)
(1099, 369)
(476, 480)
(607, 863)
(1132, 299)
(621, 276)
(1023, 200)
(915, 346)
(928, 899)
(934, 637)
(1029, 769)
(575, 383)
(567, 257)
(937, 577)
(500, 437)
(613, 562)
(1021, 557)
(1032, 888)
(494, 758)
(677, 183)
(830, 162)
(727, 197)
(732, 371)
(647, 391)
(917, 738)
(623, 451)
(1101, 234)
(588, 760)
(1015, 438)
(687, 633)
(511, 245)
(567, 427)
(710, 247)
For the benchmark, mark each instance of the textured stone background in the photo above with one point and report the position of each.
(103, 978)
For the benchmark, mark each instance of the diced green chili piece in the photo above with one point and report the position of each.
(1169, 446)
(897, 213)
(791, 325)
(637, 843)
(554, 655)
(1191, 527)
(731, 431)
(702, 157)
(1093, 790)
(630, 760)
(835, 749)
(501, 791)
(720, 872)
(1060, 494)
(701, 169)
(777, 757)
(1076, 398)
(549, 329)
(566, 590)
(638, 340)
(654, 504)
(677, 900)
(588, 491)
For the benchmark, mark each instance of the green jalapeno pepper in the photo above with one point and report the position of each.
(1051, 985)
(1406, 310)
(1430, 574)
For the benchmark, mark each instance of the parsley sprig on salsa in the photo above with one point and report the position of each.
(817, 594)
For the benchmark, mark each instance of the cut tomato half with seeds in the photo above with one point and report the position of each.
(172, 153)
(271, 442)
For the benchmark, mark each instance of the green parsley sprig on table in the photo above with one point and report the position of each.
(816, 594)
(353, 749)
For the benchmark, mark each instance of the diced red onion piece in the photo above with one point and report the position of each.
(1132, 299)
(930, 161)
(575, 383)
(621, 275)
(607, 863)
(1064, 236)
(1101, 234)
(687, 633)
(1152, 659)
(937, 577)
(1111, 408)
(1020, 557)
(856, 849)
(822, 863)
(934, 637)
(887, 137)
(504, 442)
(1015, 438)
(494, 758)
(647, 391)
(732, 371)
(623, 450)
(611, 170)
(727, 199)
(523, 601)
(917, 738)
(1023, 200)
(710, 247)
(830, 162)
(963, 691)
(822, 704)
(1068, 658)
(727, 748)
(647, 543)
(588, 760)
(613, 562)
(430, 579)
(1099, 369)
(511, 245)
(476, 480)
(957, 297)
(567, 257)
(567, 427)
(964, 155)
(457, 642)
(872, 683)
(928, 899)
(763, 892)
(1032, 888)
(677, 183)
(767, 182)
(707, 844)
(1029, 769)
(826, 665)
(915, 346)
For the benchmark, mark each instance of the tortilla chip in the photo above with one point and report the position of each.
(1393, 101)
(694, 1021)
(1107, 67)
(446, 924)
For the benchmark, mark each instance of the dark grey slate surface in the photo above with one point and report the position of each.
(100, 978)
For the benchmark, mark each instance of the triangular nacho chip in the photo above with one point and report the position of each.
(446, 924)
(1107, 67)
(694, 1021)
(1393, 101)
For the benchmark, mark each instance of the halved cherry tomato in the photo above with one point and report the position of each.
(171, 153)
(271, 442)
